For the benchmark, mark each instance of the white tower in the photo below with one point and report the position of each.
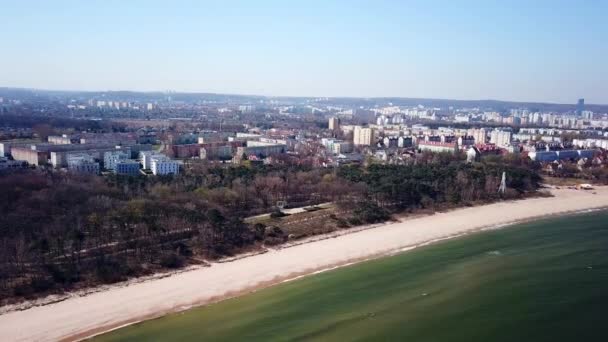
(503, 184)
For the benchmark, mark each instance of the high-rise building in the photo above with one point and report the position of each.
(334, 123)
(500, 138)
(587, 114)
(580, 107)
(363, 136)
(480, 135)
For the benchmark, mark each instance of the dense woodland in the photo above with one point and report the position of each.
(60, 231)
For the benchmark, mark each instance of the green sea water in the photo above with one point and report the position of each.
(541, 281)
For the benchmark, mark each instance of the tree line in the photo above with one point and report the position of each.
(60, 231)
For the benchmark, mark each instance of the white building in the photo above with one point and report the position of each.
(162, 165)
(363, 136)
(480, 135)
(334, 123)
(246, 108)
(146, 158)
(110, 159)
(336, 146)
(500, 138)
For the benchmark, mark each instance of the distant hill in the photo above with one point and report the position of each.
(39, 94)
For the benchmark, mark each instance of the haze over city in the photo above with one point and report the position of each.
(541, 51)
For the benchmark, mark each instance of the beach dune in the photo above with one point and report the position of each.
(80, 317)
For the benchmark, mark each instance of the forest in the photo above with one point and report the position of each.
(61, 231)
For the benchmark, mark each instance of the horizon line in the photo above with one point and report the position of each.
(294, 96)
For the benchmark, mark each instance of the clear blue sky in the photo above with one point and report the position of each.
(530, 50)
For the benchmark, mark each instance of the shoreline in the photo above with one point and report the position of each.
(77, 318)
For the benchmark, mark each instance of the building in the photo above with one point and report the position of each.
(5, 164)
(550, 156)
(59, 153)
(500, 138)
(587, 114)
(363, 136)
(580, 107)
(466, 141)
(82, 163)
(5, 147)
(219, 151)
(404, 142)
(590, 143)
(341, 147)
(145, 157)
(247, 108)
(30, 154)
(245, 137)
(479, 135)
(112, 158)
(59, 139)
(183, 151)
(259, 149)
(206, 137)
(337, 146)
(182, 139)
(162, 165)
(473, 154)
(438, 146)
(127, 167)
(334, 123)
(109, 138)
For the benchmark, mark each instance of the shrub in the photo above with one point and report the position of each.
(172, 260)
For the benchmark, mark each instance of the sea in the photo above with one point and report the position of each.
(540, 281)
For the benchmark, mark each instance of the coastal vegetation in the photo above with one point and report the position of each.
(61, 231)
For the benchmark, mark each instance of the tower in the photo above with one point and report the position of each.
(580, 107)
(503, 184)
(334, 123)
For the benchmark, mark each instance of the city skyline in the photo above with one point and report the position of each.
(195, 93)
(549, 51)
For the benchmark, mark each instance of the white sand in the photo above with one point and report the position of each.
(79, 317)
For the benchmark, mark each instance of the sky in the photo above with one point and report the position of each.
(534, 50)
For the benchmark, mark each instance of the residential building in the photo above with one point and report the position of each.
(479, 135)
(334, 123)
(337, 146)
(466, 141)
(363, 136)
(500, 138)
(438, 146)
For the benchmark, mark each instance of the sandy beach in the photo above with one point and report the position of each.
(79, 317)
